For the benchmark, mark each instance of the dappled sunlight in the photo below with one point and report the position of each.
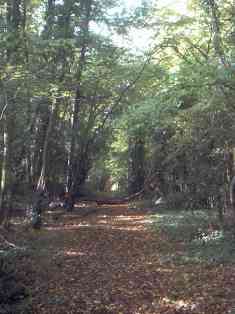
(123, 222)
(164, 270)
(63, 227)
(106, 220)
(117, 157)
(179, 305)
(73, 253)
(129, 218)
(206, 237)
(84, 204)
(113, 257)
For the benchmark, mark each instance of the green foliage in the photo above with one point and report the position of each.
(200, 231)
(176, 98)
(40, 65)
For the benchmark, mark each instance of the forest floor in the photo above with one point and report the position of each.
(113, 261)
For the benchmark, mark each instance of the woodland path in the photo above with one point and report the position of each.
(112, 262)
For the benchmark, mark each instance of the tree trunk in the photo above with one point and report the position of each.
(39, 197)
(72, 165)
(217, 40)
(232, 186)
(232, 194)
(4, 169)
(136, 172)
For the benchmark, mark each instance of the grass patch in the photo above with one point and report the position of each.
(200, 233)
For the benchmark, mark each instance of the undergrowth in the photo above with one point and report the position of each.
(203, 238)
(14, 295)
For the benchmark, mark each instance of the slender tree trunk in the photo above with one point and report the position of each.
(4, 169)
(215, 26)
(136, 172)
(39, 197)
(232, 187)
(72, 172)
(14, 23)
(220, 52)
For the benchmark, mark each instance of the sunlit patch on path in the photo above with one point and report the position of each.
(111, 262)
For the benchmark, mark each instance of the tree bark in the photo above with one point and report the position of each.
(4, 168)
(39, 197)
(136, 172)
(72, 166)
(217, 40)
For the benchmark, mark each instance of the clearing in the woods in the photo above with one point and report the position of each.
(112, 260)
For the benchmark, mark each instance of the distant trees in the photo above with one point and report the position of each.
(71, 101)
(186, 110)
(61, 85)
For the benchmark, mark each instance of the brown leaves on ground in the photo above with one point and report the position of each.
(110, 262)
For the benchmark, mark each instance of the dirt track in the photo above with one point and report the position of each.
(111, 262)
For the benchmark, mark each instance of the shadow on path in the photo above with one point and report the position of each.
(111, 262)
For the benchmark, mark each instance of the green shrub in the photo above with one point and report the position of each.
(200, 233)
